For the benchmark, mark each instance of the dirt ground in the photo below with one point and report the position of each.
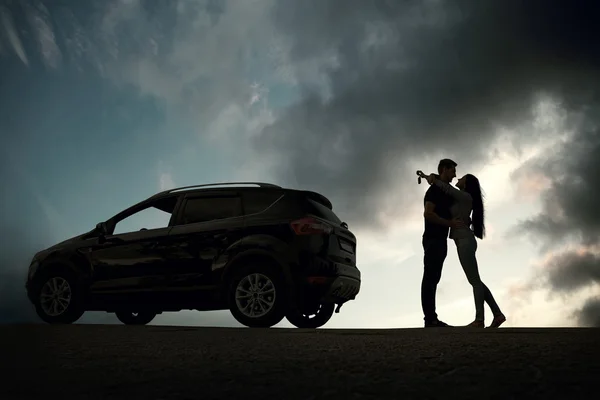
(160, 362)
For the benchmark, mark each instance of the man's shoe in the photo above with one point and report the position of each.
(436, 324)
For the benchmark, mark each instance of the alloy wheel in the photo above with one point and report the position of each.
(255, 295)
(55, 296)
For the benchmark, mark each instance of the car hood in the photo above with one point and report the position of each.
(64, 243)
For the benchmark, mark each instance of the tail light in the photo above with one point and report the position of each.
(311, 226)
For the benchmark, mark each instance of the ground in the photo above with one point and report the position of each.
(160, 362)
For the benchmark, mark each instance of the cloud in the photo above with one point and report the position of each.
(196, 56)
(569, 209)
(381, 88)
(570, 271)
(17, 247)
(210, 65)
(11, 34)
(20, 238)
(413, 81)
(589, 315)
(567, 227)
(166, 181)
(39, 18)
(165, 177)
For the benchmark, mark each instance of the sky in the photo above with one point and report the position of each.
(105, 102)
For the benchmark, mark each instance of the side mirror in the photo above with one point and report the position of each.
(102, 228)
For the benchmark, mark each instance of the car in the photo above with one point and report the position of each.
(261, 251)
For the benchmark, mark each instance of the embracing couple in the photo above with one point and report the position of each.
(449, 208)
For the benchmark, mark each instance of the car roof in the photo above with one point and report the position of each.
(211, 186)
(237, 186)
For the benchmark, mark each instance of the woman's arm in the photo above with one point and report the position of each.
(447, 188)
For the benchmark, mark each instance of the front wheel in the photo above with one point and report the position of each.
(58, 297)
(257, 297)
(135, 318)
(311, 320)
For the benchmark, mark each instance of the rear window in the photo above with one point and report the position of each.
(321, 211)
(258, 201)
(203, 209)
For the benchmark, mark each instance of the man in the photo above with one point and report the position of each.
(437, 226)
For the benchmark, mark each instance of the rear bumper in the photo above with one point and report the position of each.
(342, 284)
(342, 289)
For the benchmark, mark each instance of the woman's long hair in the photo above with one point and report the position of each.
(474, 189)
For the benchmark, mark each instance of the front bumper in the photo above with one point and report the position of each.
(33, 267)
(29, 290)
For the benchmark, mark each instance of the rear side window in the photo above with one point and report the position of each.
(258, 201)
(321, 211)
(203, 209)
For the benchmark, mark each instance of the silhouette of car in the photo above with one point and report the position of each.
(262, 251)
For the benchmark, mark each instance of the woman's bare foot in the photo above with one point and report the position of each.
(498, 320)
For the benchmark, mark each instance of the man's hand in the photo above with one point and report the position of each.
(430, 178)
(457, 223)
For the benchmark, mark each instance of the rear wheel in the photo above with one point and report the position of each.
(135, 318)
(257, 297)
(311, 320)
(58, 298)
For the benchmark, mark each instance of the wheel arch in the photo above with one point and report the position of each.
(74, 263)
(256, 256)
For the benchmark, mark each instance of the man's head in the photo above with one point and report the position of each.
(447, 170)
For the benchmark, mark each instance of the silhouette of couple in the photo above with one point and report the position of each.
(449, 208)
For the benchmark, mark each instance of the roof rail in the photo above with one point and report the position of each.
(260, 184)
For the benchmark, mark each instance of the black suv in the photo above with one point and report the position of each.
(261, 251)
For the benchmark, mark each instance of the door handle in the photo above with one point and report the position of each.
(112, 240)
(151, 246)
(222, 238)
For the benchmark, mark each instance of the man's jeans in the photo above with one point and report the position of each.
(435, 250)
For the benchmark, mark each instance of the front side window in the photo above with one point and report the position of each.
(155, 216)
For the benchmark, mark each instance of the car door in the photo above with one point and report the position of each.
(207, 225)
(134, 261)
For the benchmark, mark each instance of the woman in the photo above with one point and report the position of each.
(468, 199)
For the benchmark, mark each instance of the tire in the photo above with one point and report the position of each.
(308, 321)
(135, 318)
(58, 297)
(273, 285)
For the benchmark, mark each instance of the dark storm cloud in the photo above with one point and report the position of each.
(570, 210)
(572, 271)
(570, 206)
(589, 315)
(405, 80)
(437, 79)
(418, 79)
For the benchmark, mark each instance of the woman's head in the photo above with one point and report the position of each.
(470, 184)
